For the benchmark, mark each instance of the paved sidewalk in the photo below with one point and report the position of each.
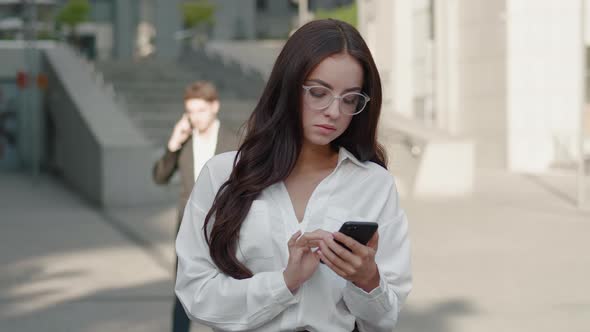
(511, 257)
(67, 266)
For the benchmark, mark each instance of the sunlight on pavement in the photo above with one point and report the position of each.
(45, 281)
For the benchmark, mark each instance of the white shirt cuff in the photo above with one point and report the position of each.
(279, 290)
(363, 304)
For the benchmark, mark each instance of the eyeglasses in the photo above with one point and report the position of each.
(320, 97)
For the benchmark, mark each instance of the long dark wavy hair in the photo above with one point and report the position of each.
(274, 132)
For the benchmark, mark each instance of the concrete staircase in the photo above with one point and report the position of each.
(153, 90)
(236, 80)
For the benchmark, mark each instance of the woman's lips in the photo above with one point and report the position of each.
(326, 129)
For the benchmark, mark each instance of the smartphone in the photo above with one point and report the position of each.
(362, 231)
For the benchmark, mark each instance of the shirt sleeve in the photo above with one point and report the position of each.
(211, 297)
(379, 309)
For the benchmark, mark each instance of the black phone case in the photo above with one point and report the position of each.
(362, 231)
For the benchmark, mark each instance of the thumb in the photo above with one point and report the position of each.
(374, 241)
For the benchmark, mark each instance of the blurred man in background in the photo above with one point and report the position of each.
(193, 141)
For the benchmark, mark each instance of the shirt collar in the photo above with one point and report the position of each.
(214, 126)
(344, 154)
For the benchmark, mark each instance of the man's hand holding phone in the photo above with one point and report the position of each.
(182, 131)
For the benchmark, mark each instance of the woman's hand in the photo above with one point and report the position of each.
(303, 261)
(357, 265)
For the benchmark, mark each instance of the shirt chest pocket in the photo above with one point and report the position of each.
(334, 218)
(256, 241)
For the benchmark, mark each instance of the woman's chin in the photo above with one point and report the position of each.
(320, 141)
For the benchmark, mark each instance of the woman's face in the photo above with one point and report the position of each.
(342, 74)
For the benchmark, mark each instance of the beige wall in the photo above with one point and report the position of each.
(469, 60)
(507, 73)
(544, 95)
(377, 27)
(481, 82)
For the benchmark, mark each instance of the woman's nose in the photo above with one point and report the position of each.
(333, 110)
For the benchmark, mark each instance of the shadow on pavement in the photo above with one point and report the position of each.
(435, 318)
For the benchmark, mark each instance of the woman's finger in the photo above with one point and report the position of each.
(350, 243)
(335, 260)
(293, 239)
(307, 238)
(341, 251)
(313, 243)
(331, 265)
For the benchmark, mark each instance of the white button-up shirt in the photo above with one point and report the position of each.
(354, 191)
(204, 147)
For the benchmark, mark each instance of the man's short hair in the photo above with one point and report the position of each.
(201, 90)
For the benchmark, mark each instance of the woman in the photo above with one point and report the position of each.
(260, 220)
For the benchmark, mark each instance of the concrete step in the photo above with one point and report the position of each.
(132, 89)
(151, 85)
(153, 91)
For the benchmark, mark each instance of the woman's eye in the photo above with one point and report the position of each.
(317, 93)
(351, 100)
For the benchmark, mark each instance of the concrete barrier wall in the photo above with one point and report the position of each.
(427, 162)
(99, 151)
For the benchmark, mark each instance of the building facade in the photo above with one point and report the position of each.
(506, 73)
